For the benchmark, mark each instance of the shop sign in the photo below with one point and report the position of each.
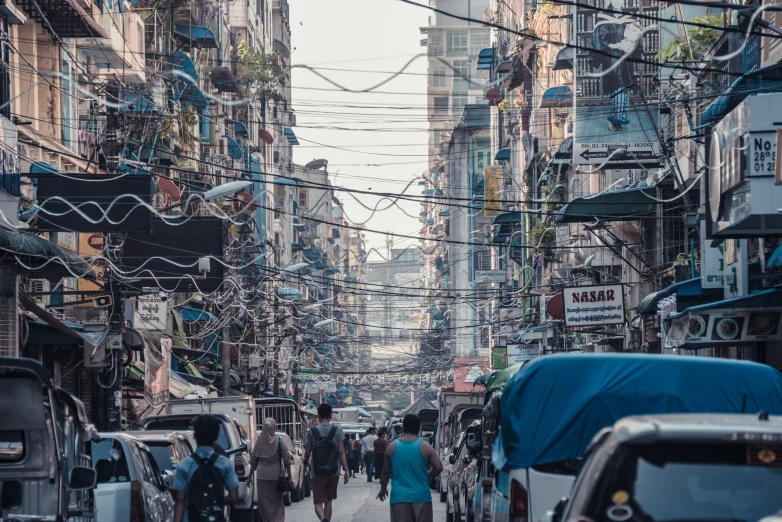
(713, 262)
(498, 358)
(732, 327)
(491, 190)
(762, 158)
(151, 313)
(156, 374)
(518, 353)
(594, 305)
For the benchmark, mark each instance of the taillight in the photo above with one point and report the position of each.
(137, 511)
(239, 465)
(518, 502)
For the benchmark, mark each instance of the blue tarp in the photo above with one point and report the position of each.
(555, 405)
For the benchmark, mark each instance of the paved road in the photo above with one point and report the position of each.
(355, 502)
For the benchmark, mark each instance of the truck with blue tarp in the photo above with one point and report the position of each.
(553, 406)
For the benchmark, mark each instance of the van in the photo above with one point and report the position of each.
(553, 406)
(45, 464)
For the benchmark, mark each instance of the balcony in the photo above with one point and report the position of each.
(117, 55)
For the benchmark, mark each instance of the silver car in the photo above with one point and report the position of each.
(129, 483)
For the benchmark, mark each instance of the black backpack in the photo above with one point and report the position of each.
(324, 453)
(205, 492)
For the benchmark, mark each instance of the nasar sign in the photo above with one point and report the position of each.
(594, 305)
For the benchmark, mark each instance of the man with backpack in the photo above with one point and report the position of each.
(325, 443)
(201, 479)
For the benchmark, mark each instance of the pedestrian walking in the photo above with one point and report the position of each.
(381, 443)
(272, 459)
(397, 432)
(325, 444)
(355, 448)
(368, 449)
(351, 457)
(201, 479)
(410, 463)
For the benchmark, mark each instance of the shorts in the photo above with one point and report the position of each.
(324, 489)
(407, 512)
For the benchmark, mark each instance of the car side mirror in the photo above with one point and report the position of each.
(298, 450)
(556, 514)
(466, 460)
(166, 479)
(81, 478)
(452, 458)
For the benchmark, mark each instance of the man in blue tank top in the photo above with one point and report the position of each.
(409, 463)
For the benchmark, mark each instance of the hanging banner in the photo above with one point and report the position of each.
(712, 262)
(594, 305)
(156, 372)
(614, 127)
(491, 190)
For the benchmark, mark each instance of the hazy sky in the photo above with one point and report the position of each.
(387, 145)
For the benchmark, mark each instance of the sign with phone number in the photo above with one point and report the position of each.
(762, 154)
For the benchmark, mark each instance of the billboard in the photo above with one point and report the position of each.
(90, 247)
(614, 127)
(594, 305)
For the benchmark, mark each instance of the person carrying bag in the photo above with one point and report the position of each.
(272, 460)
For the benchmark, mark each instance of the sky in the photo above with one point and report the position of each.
(387, 141)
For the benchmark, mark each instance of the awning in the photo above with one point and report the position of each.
(240, 129)
(197, 35)
(475, 116)
(504, 67)
(760, 81)
(775, 261)
(234, 149)
(223, 80)
(771, 297)
(690, 287)
(564, 59)
(564, 153)
(502, 155)
(196, 98)
(38, 252)
(66, 17)
(499, 379)
(285, 181)
(48, 329)
(195, 314)
(507, 218)
(290, 294)
(556, 97)
(291, 136)
(620, 205)
(485, 58)
(184, 64)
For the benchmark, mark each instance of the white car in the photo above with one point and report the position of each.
(129, 487)
(297, 471)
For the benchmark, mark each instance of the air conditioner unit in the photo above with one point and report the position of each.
(37, 286)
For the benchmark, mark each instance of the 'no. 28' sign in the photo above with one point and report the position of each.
(762, 154)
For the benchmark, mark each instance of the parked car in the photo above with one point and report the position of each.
(448, 465)
(130, 487)
(469, 447)
(168, 448)
(297, 471)
(459, 418)
(232, 441)
(680, 467)
(544, 440)
(45, 469)
(470, 473)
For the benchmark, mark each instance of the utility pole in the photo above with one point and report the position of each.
(275, 350)
(227, 360)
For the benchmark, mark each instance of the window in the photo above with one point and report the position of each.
(440, 104)
(163, 453)
(461, 72)
(482, 260)
(456, 42)
(439, 77)
(11, 446)
(437, 137)
(480, 39)
(435, 43)
(458, 101)
(111, 464)
(651, 42)
(302, 199)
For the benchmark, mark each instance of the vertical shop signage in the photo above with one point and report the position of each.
(491, 190)
(156, 374)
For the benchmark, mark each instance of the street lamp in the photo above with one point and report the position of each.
(225, 189)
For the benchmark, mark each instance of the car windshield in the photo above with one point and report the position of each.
(163, 454)
(185, 424)
(687, 482)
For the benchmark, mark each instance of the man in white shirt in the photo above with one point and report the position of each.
(368, 451)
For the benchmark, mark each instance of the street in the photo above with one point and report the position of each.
(355, 502)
